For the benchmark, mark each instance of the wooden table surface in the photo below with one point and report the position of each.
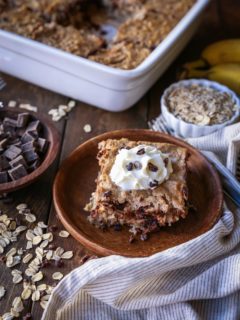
(221, 20)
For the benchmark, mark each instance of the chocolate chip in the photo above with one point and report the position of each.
(85, 258)
(59, 263)
(166, 160)
(52, 247)
(141, 151)
(144, 237)
(120, 206)
(117, 227)
(153, 184)
(152, 167)
(53, 228)
(131, 238)
(137, 165)
(129, 166)
(108, 194)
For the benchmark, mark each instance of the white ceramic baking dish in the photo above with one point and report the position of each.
(88, 81)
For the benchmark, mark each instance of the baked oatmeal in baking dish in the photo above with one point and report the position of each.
(141, 185)
(117, 33)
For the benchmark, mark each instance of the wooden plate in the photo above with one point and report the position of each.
(50, 133)
(75, 182)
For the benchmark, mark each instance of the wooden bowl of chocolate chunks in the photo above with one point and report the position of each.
(29, 144)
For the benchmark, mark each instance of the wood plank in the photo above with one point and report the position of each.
(38, 195)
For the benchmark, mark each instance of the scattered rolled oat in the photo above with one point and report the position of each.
(12, 104)
(57, 276)
(87, 128)
(28, 107)
(37, 234)
(61, 111)
(64, 234)
(2, 292)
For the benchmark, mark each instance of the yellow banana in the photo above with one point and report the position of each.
(227, 74)
(225, 51)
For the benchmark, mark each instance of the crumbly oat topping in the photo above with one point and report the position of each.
(201, 105)
(118, 33)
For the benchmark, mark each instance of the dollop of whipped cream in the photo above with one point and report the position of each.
(140, 168)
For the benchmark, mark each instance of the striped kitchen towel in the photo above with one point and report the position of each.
(199, 279)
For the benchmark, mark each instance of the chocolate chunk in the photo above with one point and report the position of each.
(152, 167)
(34, 165)
(141, 151)
(3, 143)
(22, 120)
(34, 127)
(19, 160)
(30, 145)
(129, 166)
(42, 145)
(12, 152)
(17, 172)
(8, 122)
(3, 177)
(30, 155)
(4, 164)
(27, 136)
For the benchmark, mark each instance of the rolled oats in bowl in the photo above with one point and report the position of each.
(194, 108)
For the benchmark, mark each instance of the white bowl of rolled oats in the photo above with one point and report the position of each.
(197, 107)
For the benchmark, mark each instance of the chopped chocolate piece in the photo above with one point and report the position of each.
(34, 127)
(22, 120)
(8, 122)
(30, 155)
(152, 167)
(3, 143)
(42, 145)
(30, 145)
(3, 163)
(34, 165)
(27, 136)
(12, 152)
(19, 160)
(3, 177)
(141, 151)
(17, 172)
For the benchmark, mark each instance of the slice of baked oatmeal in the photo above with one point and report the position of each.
(139, 184)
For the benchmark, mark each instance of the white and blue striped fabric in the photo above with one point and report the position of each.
(197, 280)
